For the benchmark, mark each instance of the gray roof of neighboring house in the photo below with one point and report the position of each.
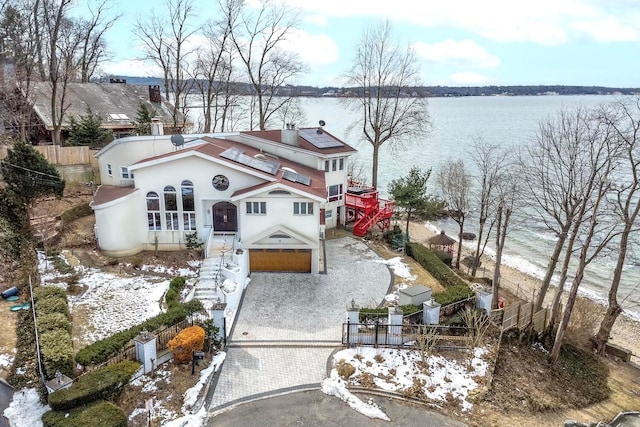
(107, 100)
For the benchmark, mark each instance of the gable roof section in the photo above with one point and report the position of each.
(303, 143)
(104, 99)
(281, 237)
(212, 149)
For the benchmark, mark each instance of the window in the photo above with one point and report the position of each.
(124, 172)
(302, 208)
(334, 164)
(188, 206)
(109, 171)
(335, 192)
(171, 208)
(326, 165)
(341, 164)
(153, 210)
(328, 214)
(256, 208)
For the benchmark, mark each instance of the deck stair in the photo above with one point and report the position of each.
(365, 209)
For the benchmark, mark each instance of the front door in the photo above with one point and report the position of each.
(225, 217)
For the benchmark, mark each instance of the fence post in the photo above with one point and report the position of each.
(395, 325)
(219, 321)
(146, 350)
(353, 321)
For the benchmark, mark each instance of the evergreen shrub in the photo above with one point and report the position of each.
(56, 348)
(103, 383)
(97, 414)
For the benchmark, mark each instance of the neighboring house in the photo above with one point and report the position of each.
(274, 191)
(116, 104)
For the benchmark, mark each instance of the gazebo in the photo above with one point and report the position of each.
(442, 242)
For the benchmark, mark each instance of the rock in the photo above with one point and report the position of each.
(468, 236)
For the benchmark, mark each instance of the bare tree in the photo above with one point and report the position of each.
(385, 74)
(64, 40)
(555, 183)
(455, 185)
(509, 192)
(18, 47)
(598, 159)
(92, 46)
(166, 41)
(258, 38)
(489, 160)
(624, 119)
(213, 76)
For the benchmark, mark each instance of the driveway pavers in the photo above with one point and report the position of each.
(289, 324)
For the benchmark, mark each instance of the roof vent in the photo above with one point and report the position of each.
(260, 156)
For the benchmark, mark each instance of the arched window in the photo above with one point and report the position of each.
(188, 206)
(171, 208)
(153, 211)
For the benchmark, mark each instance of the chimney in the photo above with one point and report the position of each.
(157, 128)
(154, 94)
(290, 135)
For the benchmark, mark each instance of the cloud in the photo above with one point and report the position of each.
(316, 19)
(545, 22)
(318, 49)
(464, 53)
(606, 30)
(469, 78)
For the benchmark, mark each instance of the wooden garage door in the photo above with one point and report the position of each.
(291, 260)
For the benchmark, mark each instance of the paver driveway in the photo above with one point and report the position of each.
(289, 324)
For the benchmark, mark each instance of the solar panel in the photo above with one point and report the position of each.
(238, 156)
(296, 177)
(320, 139)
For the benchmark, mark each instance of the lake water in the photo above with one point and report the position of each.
(456, 122)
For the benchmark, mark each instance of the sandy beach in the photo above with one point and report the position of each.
(626, 331)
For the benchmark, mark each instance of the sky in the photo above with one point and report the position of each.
(458, 42)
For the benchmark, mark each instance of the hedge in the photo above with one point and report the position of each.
(101, 351)
(172, 297)
(52, 305)
(366, 313)
(76, 212)
(456, 288)
(52, 321)
(56, 348)
(103, 383)
(46, 292)
(96, 414)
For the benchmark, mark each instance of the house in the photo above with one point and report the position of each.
(275, 192)
(116, 103)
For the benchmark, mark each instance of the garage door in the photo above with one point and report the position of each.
(291, 260)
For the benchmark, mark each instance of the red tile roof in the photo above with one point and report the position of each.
(109, 193)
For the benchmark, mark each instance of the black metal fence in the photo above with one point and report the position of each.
(406, 336)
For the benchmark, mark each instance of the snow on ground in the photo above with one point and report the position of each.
(113, 303)
(399, 268)
(25, 409)
(398, 370)
(334, 386)
(149, 384)
(5, 359)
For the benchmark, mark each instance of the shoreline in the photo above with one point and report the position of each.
(625, 333)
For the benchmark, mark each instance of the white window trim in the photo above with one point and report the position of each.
(299, 207)
(256, 208)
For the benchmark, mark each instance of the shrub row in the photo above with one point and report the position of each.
(101, 351)
(54, 328)
(76, 212)
(96, 414)
(172, 297)
(368, 313)
(456, 288)
(103, 383)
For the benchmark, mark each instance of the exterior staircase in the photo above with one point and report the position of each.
(219, 248)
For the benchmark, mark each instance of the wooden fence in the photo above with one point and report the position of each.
(62, 156)
(521, 315)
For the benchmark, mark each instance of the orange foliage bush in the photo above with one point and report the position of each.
(186, 342)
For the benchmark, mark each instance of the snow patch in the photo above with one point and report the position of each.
(399, 268)
(334, 386)
(26, 409)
